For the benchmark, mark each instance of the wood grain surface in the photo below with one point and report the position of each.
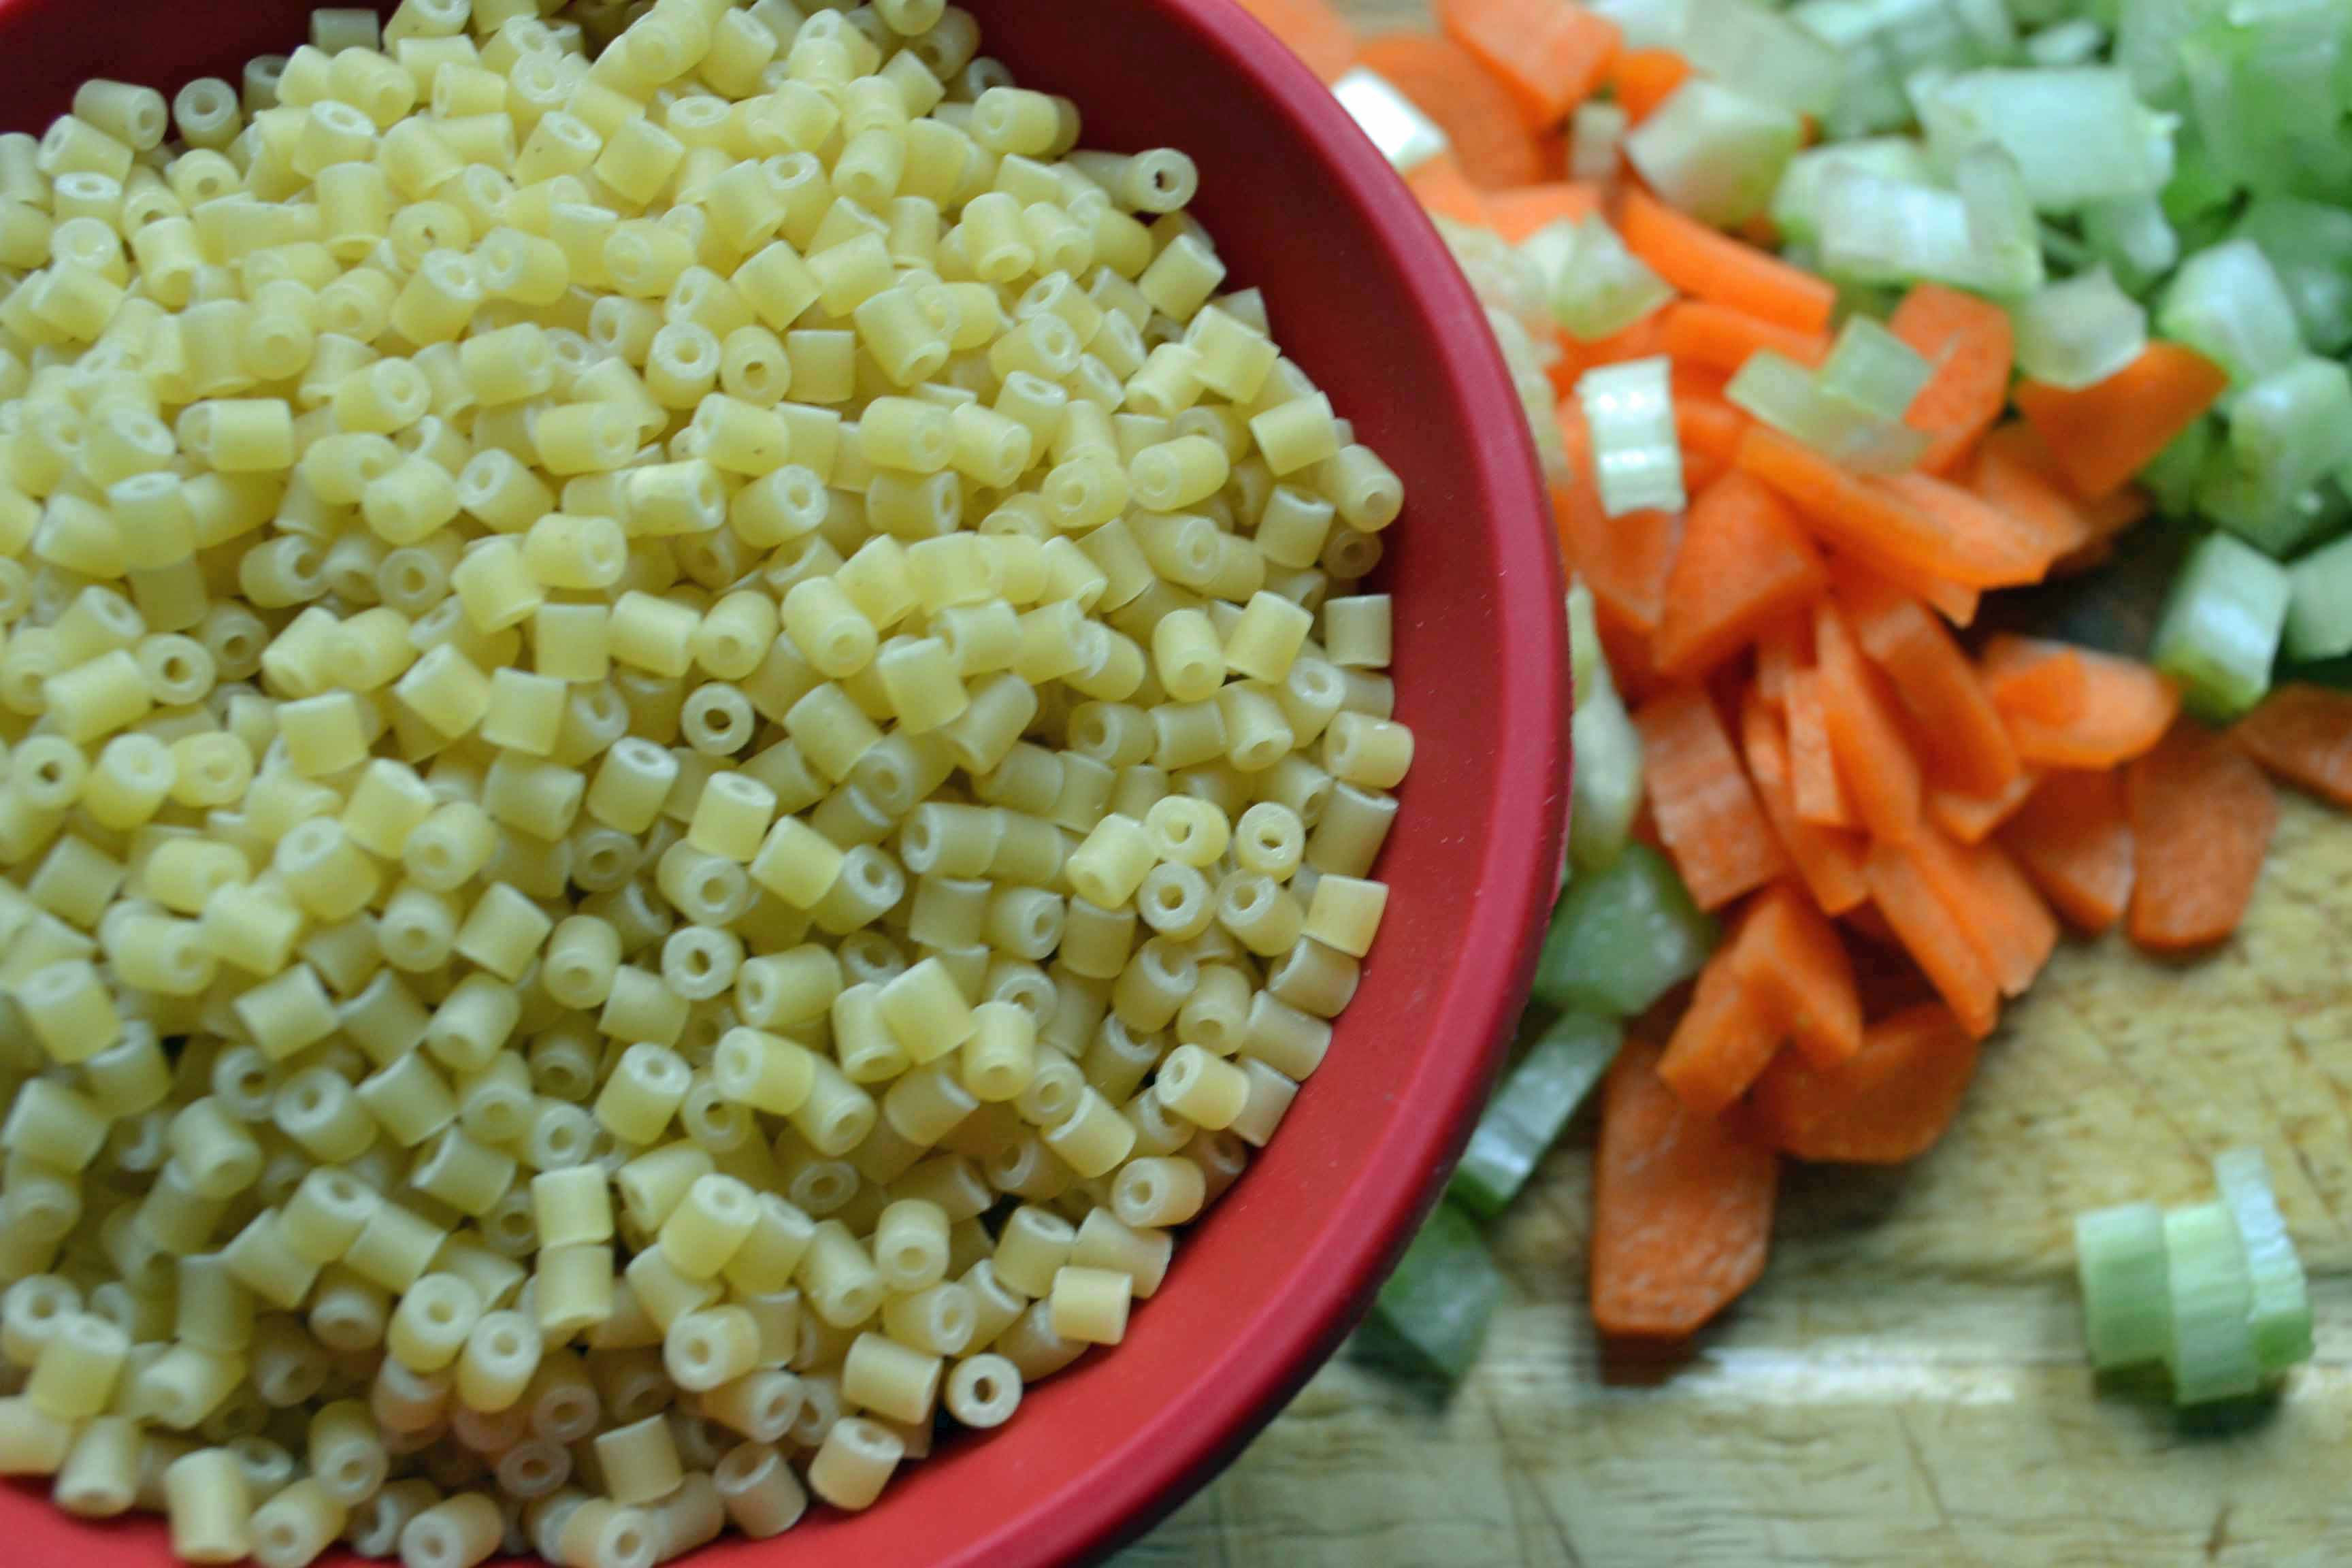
(1907, 1384)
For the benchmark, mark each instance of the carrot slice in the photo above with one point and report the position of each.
(1550, 55)
(2304, 735)
(1956, 601)
(1707, 810)
(1932, 937)
(1644, 78)
(1625, 561)
(2119, 709)
(1314, 30)
(1516, 214)
(1889, 1104)
(1724, 339)
(1682, 1207)
(1993, 904)
(2072, 839)
(1789, 956)
(2015, 474)
(1784, 647)
(1993, 550)
(1478, 113)
(1708, 426)
(1743, 562)
(2202, 817)
(1723, 1039)
(1893, 522)
(1973, 818)
(1960, 732)
(1443, 190)
(2103, 434)
(1873, 756)
(1697, 260)
(1813, 783)
(1970, 343)
(1829, 861)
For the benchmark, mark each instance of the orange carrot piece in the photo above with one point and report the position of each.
(1973, 818)
(1444, 191)
(2120, 708)
(1934, 940)
(1887, 1105)
(1960, 735)
(1993, 904)
(2103, 434)
(1682, 1207)
(1643, 340)
(1970, 343)
(1312, 29)
(1707, 810)
(2202, 817)
(1477, 111)
(2072, 839)
(2015, 474)
(1875, 761)
(1744, 563)
(1821, 798)
(1699, 332)
(1788, 955)
(1516, 214)
(1697, 260)
(1956, 601)
(2303, 735)
(1550, 54)
(1992, 548)
(1723, 1040)
(1829, 861)
(1886, 522)
(1625, 561)
(1784, 647)
(1644, 78)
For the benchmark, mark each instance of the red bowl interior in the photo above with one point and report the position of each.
(1363, 295)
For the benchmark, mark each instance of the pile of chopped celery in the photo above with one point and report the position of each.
(2211, 1290)
(1625, 934)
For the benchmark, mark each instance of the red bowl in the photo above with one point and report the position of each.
(1363, 295)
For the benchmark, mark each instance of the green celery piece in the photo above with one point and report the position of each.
(2276, 522)
(1874, 370)
(1796, 199)
(2147, 43)
(1761, 55)
(2294, 427)
(1622, 937)
(2134, 239)
(2309, 245)
(2227, 303)
(1605, 792)
(2079, 135)
(2280, 1309)
(2319, 603)
(2075, 42)
(2173, 475)
(1525, 1118)
(1442, 1294)
(2079, 332)
(1715, 153)
(2119, 1259)
(2220, 633)
(2212, 1352)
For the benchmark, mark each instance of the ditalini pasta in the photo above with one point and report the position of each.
(689, 745)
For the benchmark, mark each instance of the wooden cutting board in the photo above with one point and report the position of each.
(1905, 1385)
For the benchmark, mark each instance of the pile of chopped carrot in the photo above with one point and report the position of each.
(1869, 792)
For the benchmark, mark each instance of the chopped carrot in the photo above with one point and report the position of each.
(1934, 940)
(1314, 30)
(1899, 522)
(2015, 474)
(1478, 113)
(1726, 1037)
(1744, 563)
(1990, 548)
(1873, 756)
(1707, 810)
(1718, 336)
(1956, 601)
(2072, 839)
(1443, 190)
(1959, 734)
(2202, 817)
(1644, 78)
(1785, 645)
(1829, 861)
(1971, 345)
(2119, 709)
(1625, 561)
(2103, 434)
(1993, 904)
(1973, 818)
(1787, 953)
(1550, 54)
(2304, 735)
(1682, 1207)
(1889, 1104)
(1516, 214)
(1697, 260)
(1821, 799)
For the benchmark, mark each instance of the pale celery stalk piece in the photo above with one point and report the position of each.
(1637, 459)
(2078, 332)
(1405, 136)
(2211, 1351)
(1714, 152)
(2319, 603)
(1527, 1113)
(2126, 1305)
(2220, 631)
(1442, 1294)
(2280, 1310)
(1605, 792)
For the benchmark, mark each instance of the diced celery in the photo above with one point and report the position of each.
(1605, 791)
(2263, 92)
(1876, 229)
(2134, 238)
(2074, 42)
(2078, 136)
(1595, 287)
(1406, 137)
(1874, 369)
(2294, 427)
(2276, 522)
(2081, 331)
(1588, 661)
(1761, 55)
(2212, 1352)
(1596, 134)
(2147, 43)
(1646, 24)
(2002, 230)
(1796, 202)
(1793, 400)
(1622, 937)
(2174, 474)
(1714, 152)
(1505, 277)
(1442, 1294)
(1526, 1116)
(2319, 603)
(2227, 303)
(1637, 459)
(2280, 1310)
(2119, 1259)
(2220, 633)
(2309, 247)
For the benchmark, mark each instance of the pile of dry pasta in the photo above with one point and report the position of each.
(684, 746)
